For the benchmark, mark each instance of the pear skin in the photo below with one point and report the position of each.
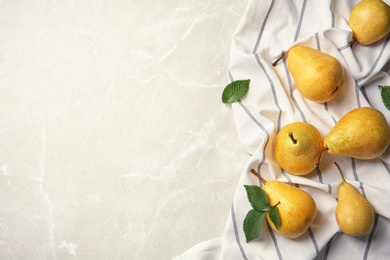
(297, 209)
(362, 133)
(370, 21)
(298, 147)
(354, 213)
(318, 76)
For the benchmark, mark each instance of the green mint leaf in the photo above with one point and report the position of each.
(257, 198)
(252, 224)
(385, 93)
(273, 214)
(235, 91)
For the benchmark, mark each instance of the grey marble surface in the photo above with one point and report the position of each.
(114, 143)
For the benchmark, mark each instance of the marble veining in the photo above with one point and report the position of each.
(113, 138)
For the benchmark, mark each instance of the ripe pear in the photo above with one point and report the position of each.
(297, 209)
(354, 213)
(298, 148)
(318, 76)
(362, 133)
(370, 21)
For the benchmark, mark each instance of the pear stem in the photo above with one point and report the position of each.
(278, 59)
(290, 134)
(254, 172)
(341, 173)
(335, 89)
(320, 156)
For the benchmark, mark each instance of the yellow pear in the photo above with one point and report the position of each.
(298, 147)
(318, 76)
(354, 213)
(370, 21)
(362, 133)
(297, 209)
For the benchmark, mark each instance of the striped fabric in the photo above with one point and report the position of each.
(268, 28)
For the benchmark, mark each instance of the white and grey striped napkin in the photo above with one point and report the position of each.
(268, 28)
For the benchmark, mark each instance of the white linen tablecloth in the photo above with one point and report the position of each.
(267, 29)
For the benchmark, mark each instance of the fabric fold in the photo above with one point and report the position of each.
(266, 29)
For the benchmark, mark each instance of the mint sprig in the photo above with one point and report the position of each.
(259, 201)
(257, 198)
(235, 91)
(252, 224)
(274, 216)
(385, 94)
